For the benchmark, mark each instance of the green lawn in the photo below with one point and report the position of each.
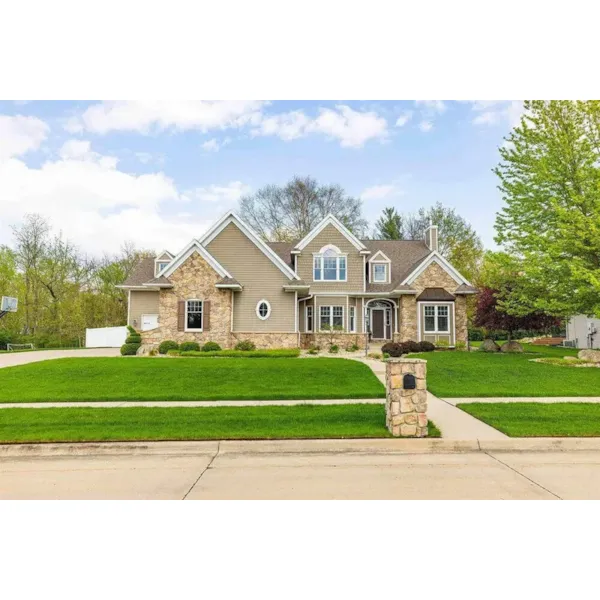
(479, 374)
(20, 425)
(529, 419)
(101, 379)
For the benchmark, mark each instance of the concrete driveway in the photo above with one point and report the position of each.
(309, 469)
(11, 359)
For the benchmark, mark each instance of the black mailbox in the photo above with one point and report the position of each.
(410, 383)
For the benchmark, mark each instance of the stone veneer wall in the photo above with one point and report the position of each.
(323, 339)
(265, 341)
(406, 409)
(433, 276)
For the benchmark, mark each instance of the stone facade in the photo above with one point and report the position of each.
(324, 339)
(406, 409)
(266, 341)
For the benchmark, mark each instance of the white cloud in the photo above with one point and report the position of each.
(146, 116)
(98, 207)
(432, 106)
(494, 112)
(352, 128)
(213, 145)
(425, 126)
(380, 192)
(19, 135)
(404, 118)
(224, 195)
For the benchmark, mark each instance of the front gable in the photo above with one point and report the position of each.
(193, 248)
(435, 260)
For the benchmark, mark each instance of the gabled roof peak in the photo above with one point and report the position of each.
(330, 220)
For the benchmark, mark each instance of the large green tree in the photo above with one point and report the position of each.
(390, 225)
(550, 224)
(288, 212)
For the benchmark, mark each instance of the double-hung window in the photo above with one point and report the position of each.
(352, 318)
(329, 265)
(331, 316)
(437, 319)
(309, 318)
(193, 315)
(379, 273)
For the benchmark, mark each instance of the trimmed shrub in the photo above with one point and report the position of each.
(134, 338)
(411, 346)
(129, 349)
(168, 345)
(211, 347)
(375, 355)
(245, 346)
(334, 349)
(442, 344)
(426, 346)
(131, 329)
(174, 353)
(385, 355)
(189, 347)
(352, 348)
(393, 349)
(313, 351)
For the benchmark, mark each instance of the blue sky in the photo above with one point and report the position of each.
(158, 173)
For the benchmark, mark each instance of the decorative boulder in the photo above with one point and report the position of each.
(570, 358)
(511, 346)
(591, 355)
(489, 346)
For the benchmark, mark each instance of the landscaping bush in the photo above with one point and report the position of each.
(410, 346)
(131, 329)
(313, 351)
(426, 346)
(129, 349)
(189, 347)
(211, 347)
(5, 338)
(476, 335)
(375, 355)
(393, 349)
(352, 348)
(174, 353)
(334, 349)
(245, 346)
(134, 338)
(277, 353)
(442, 344)
(168, 345)
(460, 345)
(385, 355)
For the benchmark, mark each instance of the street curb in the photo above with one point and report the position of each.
(305, 447)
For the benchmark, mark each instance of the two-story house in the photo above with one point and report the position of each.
(230, 285)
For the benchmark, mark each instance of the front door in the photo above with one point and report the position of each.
(377, 314)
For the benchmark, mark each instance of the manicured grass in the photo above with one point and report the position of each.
(479, 374)
(136, 378)
(529, 419)
(278, 353)
(140, 423)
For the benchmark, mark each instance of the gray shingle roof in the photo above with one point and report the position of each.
(161, 280)
(142, 273)
(228, 281)
(284, 251)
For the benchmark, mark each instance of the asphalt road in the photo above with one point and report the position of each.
(294, 470)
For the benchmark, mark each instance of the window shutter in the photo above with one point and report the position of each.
(206, 315)
(181, 315)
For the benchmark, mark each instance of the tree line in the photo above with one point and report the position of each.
(547, 267)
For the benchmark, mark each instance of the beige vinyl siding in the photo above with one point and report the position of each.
(260, 279)
(302, 314)
(142, 303)
(354, 265)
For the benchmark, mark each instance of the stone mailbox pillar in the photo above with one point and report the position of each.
(406, 397)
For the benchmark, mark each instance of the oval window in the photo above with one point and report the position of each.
(263, 309)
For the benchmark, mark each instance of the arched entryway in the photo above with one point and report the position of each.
(380, 317)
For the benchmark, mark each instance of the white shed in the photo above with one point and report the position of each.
(583, 332)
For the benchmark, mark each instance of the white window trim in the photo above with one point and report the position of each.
(339, 254)
(451, 315)
(436, 317)
(372, 272)
(352, 319)
(312, 310)
(157, 270)
(186, 328)
(331, 307)
(268, 309)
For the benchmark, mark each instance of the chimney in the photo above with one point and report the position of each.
(431, 237)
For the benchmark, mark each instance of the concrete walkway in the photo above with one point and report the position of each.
(187, 404)
(454, 423)
(544, 400)
(12, 359)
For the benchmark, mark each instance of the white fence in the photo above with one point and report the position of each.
(105, 337)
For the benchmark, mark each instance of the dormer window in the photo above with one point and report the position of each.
(379, 273)
(329, 264)
(379, 268)
(160, 266)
